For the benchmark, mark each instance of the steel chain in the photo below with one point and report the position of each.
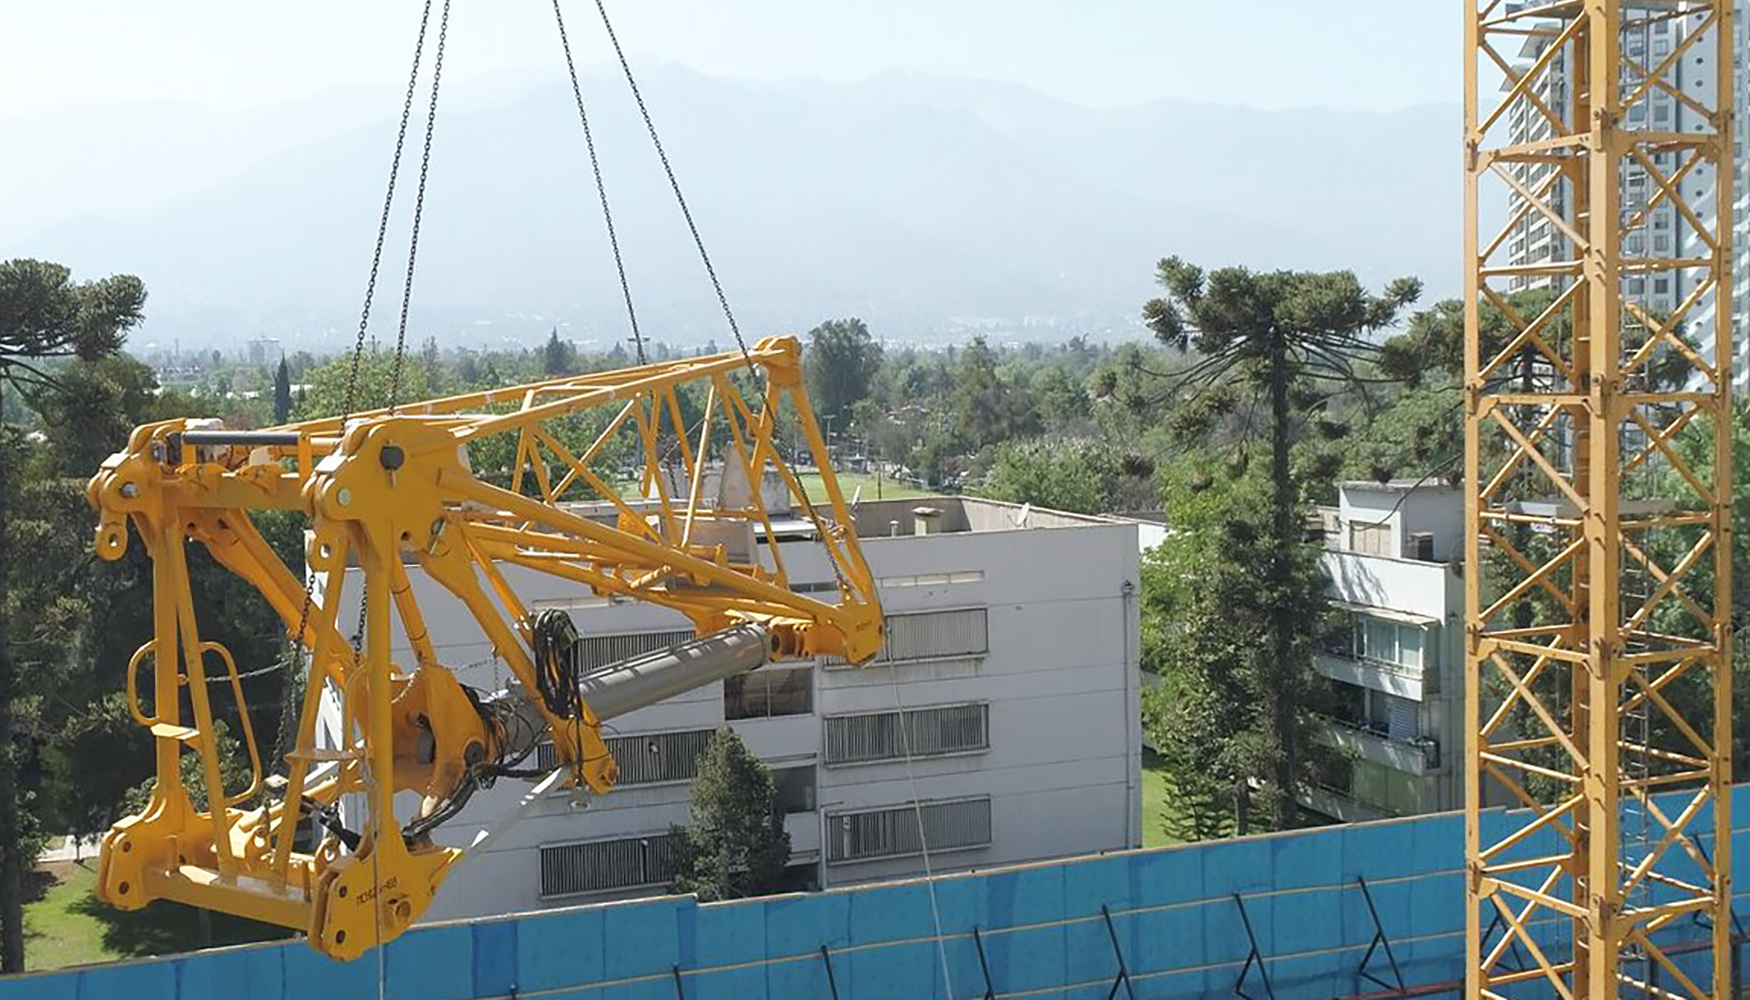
(437, 75)
(595, 167)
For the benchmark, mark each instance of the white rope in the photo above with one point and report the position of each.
(917, 806)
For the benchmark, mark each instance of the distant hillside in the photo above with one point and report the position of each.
(923, 204)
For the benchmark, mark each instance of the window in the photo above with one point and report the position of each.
(1391, 642)
(1661, 286)
(768, 693)
(1370, 539)
(647, 759)
(931, 579)
(795, 788)
(1422, 546)
(1377, 712)
(934, 635)
(895, 833)
(1383, 640)
(593, 652)
(929, 732)
(603, 865)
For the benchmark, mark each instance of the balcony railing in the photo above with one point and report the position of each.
(1418, 756)
(1395, 678)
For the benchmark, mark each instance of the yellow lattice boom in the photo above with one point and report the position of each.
(461, 488)
(1598, 461)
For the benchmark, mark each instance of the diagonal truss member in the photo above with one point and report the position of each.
(1598, 363)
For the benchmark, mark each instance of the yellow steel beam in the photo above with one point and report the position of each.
(1597, 510)
(427, 484)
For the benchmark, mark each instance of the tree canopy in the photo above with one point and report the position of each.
(839, 365)
(735, 845)
(45, 314)
(1287, 343)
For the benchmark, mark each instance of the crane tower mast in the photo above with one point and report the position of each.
(1598, 509)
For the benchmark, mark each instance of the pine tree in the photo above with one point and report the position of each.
(736, 845)
(1280, 345)
(282, 393)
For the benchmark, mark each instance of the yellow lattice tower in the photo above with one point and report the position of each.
(1597, 459)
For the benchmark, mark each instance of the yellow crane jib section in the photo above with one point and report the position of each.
(665, 483)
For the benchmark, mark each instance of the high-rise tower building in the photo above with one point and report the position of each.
(1654, 227)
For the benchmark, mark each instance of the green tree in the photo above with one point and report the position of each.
(44, 314)
(329, 383)
(559, 357)
(282, 393)
(735, 845)
(92, 406)
(1284, 342)
(987, 407)
(1215, 716)
(1074, 474)
(839, 367)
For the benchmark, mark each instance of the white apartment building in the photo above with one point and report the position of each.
(1392, 559)
(1654, 36)
(1012, 651)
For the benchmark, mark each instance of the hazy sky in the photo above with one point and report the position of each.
(1377, 55)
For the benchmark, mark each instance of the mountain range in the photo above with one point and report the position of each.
(928, 206)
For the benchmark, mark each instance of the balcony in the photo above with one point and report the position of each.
(1392, 678)
(1419, 757)
(1427, 590)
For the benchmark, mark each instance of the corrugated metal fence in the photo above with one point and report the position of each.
(1336, 912)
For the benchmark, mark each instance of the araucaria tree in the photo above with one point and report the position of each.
(1278, 347)
(735, 845)
(44, 316)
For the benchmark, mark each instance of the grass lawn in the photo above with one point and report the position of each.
(65, 924)
(1156, 792)
(849, 483)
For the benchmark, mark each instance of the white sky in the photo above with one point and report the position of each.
(236, 54)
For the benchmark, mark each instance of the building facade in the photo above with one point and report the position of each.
(1011, 656)
(1653, 39)
(1392, 552)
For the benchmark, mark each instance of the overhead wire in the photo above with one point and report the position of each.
(917, 805)
(595, 167)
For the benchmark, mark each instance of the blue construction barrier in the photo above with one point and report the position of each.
(1334, 912)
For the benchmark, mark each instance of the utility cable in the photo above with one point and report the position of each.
(601, 189)
(923, 836)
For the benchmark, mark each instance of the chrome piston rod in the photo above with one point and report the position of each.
(645, 680)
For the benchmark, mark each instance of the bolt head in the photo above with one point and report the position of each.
(344, 497)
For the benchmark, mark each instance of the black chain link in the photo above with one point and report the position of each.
(383, 223)
(437, 75)
(358, 350)
(595, 167)
(705, 258)
(675, 186)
